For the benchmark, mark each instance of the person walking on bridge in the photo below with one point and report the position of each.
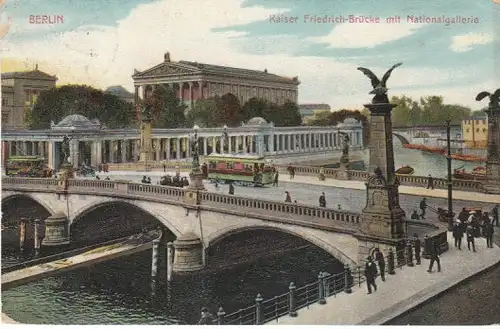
(495, 213)
(434, 253)
(458, 234)
(423, 207)
(430, 182)
(276, 176)
(379, 257)
(231, 189)
(470, 238)
(370, 274)
(489, 229)
(322, 200)
(414, 215)
(288, 198)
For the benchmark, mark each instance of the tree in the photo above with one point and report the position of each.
(58, 102)
(229, 111)
(203, 113)
(168, 110)
(254, 107)
(290, 115)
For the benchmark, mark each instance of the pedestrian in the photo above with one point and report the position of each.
(370, 274)
(231, 189)
(463, 215)
(430, 182)
(322, 200)
(107, 178)
(164, 167)
(292, 173)
(423, 206)
(485, 220)
(458, 234)
(216, 185)
(288, 198)
(418, 248)
(415, 215)
(495, 212)
(490, 230)
(206, 317)
(276, 176)
(470, 238)
(434, 253)
(379, 257)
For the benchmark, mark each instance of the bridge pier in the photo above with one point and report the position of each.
(188, 254)
(56, 230)
(382, 219)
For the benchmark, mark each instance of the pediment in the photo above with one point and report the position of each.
(167, 69)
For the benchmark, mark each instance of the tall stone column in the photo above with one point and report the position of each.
(96, 156)
(167, 148)
(492, 183)
(205, 146)
(41, 149)
(157, 149)
(136, 94)
(177, 148)
(230, 145)
(382, 219)
(51, 148)
(123, 149)
(74, 152)
(289, 140)
(270, 143)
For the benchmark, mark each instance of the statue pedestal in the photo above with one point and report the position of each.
(146, 153)
(66, 171)
(342, 173)
(195, 185)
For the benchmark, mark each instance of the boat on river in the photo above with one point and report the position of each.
(405, 170)
(471, 158)
(478, 173)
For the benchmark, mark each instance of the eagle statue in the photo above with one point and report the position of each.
(379, 86)
(494, 98)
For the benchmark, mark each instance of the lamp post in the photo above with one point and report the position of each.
(195, 149)
(450, 182)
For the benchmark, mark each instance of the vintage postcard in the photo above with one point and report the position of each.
(250, 162)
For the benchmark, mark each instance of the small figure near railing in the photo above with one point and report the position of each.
(206, 317)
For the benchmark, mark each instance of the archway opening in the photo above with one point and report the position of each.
(113, 220)
(401, 139)
(15, 208)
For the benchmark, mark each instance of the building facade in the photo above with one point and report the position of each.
(194, 81)
(92, 143)
(309, 112)
(19, 93)
(475, 131)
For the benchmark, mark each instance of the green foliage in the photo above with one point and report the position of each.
(429, 110)
(167, 110)
(254, 107)
(229, 111)
(334, 118)
(203, 113)
(56, 103)
(289, 115)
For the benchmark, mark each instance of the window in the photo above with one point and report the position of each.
(484, 130)
(468, 130)
(27, 95)
(5, 102)
(484, 122)
(477, 130)
(5, 118)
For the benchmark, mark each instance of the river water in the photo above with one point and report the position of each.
(119, 291)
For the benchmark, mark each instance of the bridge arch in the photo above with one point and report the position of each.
(11, 196)
(118, 221)
(332, 249)
(401, 138)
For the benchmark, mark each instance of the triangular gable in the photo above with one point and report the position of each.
(36, 75)
(167, 68)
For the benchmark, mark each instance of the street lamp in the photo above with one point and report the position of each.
(450, 182)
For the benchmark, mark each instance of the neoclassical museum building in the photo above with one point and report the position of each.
(193, 81)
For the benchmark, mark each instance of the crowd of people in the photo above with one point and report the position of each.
(176, 181)
(474, 224)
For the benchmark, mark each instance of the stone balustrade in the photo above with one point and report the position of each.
(322, 217)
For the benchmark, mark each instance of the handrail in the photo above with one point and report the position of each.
(327, 285)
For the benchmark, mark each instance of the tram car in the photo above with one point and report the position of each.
(246, 170)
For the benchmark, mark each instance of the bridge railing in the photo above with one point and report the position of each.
(36, 183)
(327, 285)
(405, 180)
(326, 215)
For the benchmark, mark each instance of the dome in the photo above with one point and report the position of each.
(77, 121)
(257, 121)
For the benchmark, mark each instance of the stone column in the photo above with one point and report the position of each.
(190, 96)
(229, 145)
(214, 144)
(41, 149)
(167, 148)
(270, 143)
(51, 149)
(382, 219)
(136, 94)
(289, 140)
(96, 155)
(205, 146)
(492, 184)
(123, 149)
(222, 144)
(157, 149)
(74, 152)
(178, 149)
(278, 143)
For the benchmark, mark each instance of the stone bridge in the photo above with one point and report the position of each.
(208, 220)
